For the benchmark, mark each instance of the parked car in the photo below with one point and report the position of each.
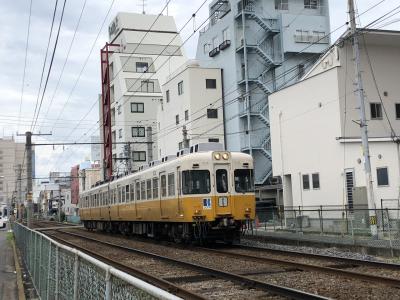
(2, 222)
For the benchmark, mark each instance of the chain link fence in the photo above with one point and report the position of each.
(61, 272)
(333, 224)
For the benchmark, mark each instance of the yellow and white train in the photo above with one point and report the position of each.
(204, 196)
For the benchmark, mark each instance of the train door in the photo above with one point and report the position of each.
(163, 194)
(222, 189)
(179, 196)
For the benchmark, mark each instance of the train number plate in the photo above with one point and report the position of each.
(206, 203)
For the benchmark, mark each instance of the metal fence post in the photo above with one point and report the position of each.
(347, 219)
(56, 273)
(108, 285)
(48, 273)
(321, 221)
(76, 276)
(40, 262)
(390, 233)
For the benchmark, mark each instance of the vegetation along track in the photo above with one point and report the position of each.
(321, 278)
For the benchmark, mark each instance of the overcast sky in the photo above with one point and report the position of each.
(73, 98)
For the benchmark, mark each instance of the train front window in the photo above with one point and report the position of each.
(196, 182)
(244, 181)
(222, 181)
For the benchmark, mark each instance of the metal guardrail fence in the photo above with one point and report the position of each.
(338, 224)
(61, 272)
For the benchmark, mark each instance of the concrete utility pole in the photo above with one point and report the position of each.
(363, 123)
(29, 185)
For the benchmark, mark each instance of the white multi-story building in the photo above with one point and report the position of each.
(95, 148)
(315, 130)
(192, 103)
(138, 67)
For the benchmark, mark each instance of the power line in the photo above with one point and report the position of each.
(86, 61)
(45, 60)
(66, 60)
(51, 64)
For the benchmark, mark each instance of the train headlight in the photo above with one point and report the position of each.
(217, 156)
(248, 210)
(225, 156)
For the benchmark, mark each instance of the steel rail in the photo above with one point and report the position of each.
(159, 282)
(268, 287)
(309, 267)
(359, 262)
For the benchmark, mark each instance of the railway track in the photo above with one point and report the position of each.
(271, 289)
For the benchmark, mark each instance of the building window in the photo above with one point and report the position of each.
(147, 86)
(306, 182)
(315, 181)
(137, 107)
(382, 176)
(139, 155)
(167, 96)
(211, 83)
(225, 35)
(397, 105)
(312, 4)
(300, 71)
(376, 111)
(119, 109)
(113, 139)
(212, 113)
(180, 88)
(282, 4)
(186, 115)
(213, 140)
(180, 145)
(120, 133)
(142, 67)
(138, 132)
(177, 119)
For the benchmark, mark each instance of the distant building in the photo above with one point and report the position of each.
(192, 101)
(132, 84)
(316, 141)
(261, 46)
(88, 176)
(12, 158)
(95, 149)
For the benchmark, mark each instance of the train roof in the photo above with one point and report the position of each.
(182, 159)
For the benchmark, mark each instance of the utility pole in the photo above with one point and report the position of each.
(363, 123)
(29, 153)
(185, 137)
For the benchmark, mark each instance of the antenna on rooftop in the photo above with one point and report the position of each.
(143, 4)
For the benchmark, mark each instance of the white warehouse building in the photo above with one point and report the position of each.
(315, 133)
(192, 103)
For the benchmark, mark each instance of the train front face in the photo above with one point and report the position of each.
(230, 202)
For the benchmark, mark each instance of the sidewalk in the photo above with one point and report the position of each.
(8, 276)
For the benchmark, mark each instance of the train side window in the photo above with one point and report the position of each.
(143, 190)
(171, 184)
(137, 190)
(163, 186)
(132, 189)
(196, 182)
(155, 187)
(148, 188)
(127, 194)
(222, 181)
